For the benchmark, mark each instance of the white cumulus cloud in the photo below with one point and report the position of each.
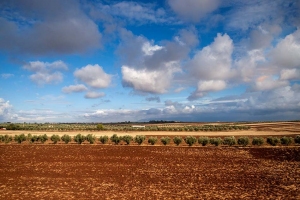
(93, 95)
(74, 88)
(94, 76)
(45, 72)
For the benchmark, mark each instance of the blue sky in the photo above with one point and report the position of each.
(185, 60)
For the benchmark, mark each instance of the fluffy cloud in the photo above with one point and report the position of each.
(192, 10)
(94, 76)
(53, 32)
(148, 67)
(213, 61)
(268, 83)
(5, 107)
(289, 74)
(207, 86)
(286, 54)
(74, 88)
(147, 81)
(93, 95)
(45, 72)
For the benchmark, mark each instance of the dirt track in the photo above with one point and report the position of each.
(148, 172)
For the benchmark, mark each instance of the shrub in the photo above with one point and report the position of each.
(20, 138)
(1, 138)
(127, 139)
(79, 138)
(203, 141)
(165, 140)
(273, 141)
(229, 141)
(55, 138)
(103, 139)
(29, 136)
(297, 139)
(258, 141)
(286, 140)
(6, 138)
(244, 141)
(42, 138)
(90, 138)
(152, 140)
(215, 141)
(34, 139)
(115, 139)
(190, 140)
(177, 140)
(66, 138)
(100, 127)
(139, 139)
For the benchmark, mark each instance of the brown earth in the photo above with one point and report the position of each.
(148, 172)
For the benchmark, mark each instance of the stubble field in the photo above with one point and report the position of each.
(148, 172)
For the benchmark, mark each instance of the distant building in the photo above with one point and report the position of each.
(3, 129)
(137, 126)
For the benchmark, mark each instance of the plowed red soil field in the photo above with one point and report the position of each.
(148, 172)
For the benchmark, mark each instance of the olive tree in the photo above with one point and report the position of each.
(103, 139)
(127, 139)
(165, 140)
(66, 138)
(177, 140)
(20, 138)
(115, 139)
(152, 140)
(91, 138)
(203, 141)
(190, 140)
(55, 138)
(139, 139)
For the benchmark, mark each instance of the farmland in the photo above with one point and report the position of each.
(148, 172)
(45, 169)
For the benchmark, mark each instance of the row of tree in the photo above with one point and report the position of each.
(139, 139)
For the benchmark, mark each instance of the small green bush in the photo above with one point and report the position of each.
(55, 138)
(286, 140)
(20, 138)
(90, 138)
(165, 140)
(177, 140)
(273, 141)
(258, 141)
(139, 139)
(190, 140)
(127, 139)
(103, 139)
(115, 139)
(34, 139)
(203, 141)
(29, 136)
(42, 138)
(297, 139)
(6, 138)
(244, 141)
(229, 141)
(215, 141)
(79, 139)
(152, 140)
(66, 138)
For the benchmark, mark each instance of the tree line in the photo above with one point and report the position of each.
(152, 140)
